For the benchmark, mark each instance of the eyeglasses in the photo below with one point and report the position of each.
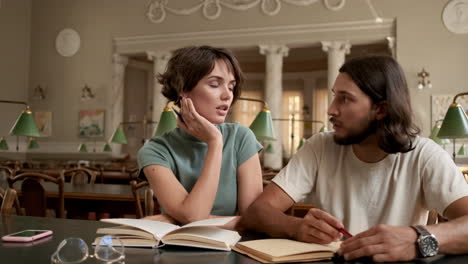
(74, 250)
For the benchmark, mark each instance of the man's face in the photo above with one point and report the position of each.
(351, 112)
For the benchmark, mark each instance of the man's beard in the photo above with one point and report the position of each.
(359, 136)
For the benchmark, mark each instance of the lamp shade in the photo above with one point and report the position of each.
(269, 148)
(25, 125)
(301, 143)
(82, 148)
(3, 144)
(107, 148)
(33, 144)
(435, 138)
(119, 136)
(166, 123)
(262, 126)
(461, 151)
(323, 129)
(455, 124)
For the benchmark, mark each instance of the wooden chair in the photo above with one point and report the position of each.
(33, 194)
(149, 202)
(80, 175)
(9, 200)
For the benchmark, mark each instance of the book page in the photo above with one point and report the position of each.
(285, 247)
(210, 237)
(218, 221)
(156, 228)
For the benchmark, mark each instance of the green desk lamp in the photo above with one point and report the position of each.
(167, 122)
(455, 123)
(435, 132)
(119, 136)
(3, 144)
(33, 143)
(262, 126)
(25, 125)
(82, 148)
(107, 147)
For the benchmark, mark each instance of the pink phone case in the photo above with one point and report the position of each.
(12, 238)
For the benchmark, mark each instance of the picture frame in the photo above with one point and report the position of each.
(91, 123)
(44, 122)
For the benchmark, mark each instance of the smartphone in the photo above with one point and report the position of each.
(178, 114)
(27, 235)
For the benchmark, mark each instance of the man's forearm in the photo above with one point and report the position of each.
(269, 220)
(452, 235)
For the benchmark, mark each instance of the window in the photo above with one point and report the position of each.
(292, 106)
(245, 112)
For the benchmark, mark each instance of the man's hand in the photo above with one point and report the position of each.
(382, 243)
(318, 227)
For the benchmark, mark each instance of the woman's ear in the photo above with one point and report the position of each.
(381, 110)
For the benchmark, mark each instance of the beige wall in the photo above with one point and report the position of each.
(15, 29)
(422, 41)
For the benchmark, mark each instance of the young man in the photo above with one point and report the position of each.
(373, 176)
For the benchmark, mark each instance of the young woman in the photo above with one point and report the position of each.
(205, 167)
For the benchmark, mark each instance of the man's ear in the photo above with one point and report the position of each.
(381, 110)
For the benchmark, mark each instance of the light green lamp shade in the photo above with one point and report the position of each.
(269, 148)
(323, 129)
(262, 126)
(33, 144)
(455, 124)
(119, 136)
(301, 143)
(436, 139)
(107, 148)
(25, 125)
(3, 144)
(461, 151)
(166, 123)
(82, 148)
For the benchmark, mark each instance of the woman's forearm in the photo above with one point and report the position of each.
(199, 202)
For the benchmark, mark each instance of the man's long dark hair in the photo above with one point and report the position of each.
(383, 80)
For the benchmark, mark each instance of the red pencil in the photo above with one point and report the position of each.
(344, 232)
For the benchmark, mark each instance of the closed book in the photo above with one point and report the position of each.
(286, 250)
(148, 233)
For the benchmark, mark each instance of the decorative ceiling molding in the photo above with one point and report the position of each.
(211, 9)
(291, 35)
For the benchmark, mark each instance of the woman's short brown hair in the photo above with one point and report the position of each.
(190, 64)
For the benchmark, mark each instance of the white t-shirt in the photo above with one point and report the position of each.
(398, 190)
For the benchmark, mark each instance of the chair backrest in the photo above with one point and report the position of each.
(80, 175)
(149, 201)
(9, 199)
(5, 173)
(33, 194)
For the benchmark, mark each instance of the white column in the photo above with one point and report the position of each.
(160, 60)
(391, 46)
(337, 51)
(273, 96)
(117, 96)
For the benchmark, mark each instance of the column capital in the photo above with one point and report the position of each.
(158, 55)
(266, 49)
(119, 59)
(336, 45)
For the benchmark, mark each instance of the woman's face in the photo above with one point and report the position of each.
(213, 94)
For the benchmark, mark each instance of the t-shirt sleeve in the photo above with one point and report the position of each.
(297, 178)
(154, 152)
(443, 183)
(246, 145)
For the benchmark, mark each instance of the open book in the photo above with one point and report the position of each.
(149, 233)
(285, 250)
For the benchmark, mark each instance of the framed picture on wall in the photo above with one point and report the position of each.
(91, 123)
(44, 123)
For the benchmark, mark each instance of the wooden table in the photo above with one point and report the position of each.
(39, 253)
(116, 199)
(114, 177)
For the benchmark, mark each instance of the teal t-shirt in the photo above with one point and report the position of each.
(185, 156)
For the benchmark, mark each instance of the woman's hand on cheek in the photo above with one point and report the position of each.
(196, 125)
